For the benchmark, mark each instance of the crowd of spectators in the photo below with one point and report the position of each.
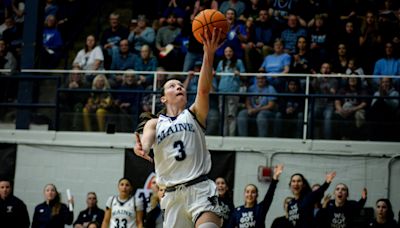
(275, 36)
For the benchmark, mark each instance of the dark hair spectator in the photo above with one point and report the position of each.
(384, 215)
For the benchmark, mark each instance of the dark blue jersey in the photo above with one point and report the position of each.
(255, 216)
(301, 211)
(90, 215)
(43, 218)
(339, 217)
(227, 208)
(13, 213)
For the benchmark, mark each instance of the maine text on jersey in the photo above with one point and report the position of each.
(174, 129)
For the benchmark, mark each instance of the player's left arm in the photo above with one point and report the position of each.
(201, 104)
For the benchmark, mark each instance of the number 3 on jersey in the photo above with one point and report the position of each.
(181, 150)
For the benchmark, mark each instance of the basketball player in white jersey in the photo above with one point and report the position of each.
(181, 158)
(122, 210)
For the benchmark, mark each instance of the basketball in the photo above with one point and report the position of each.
(208, 20)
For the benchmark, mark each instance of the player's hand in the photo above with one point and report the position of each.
(278, 169)
(329, 177)
(211, 44)
(138, 149)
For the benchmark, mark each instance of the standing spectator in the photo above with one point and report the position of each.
(292, 109)
(384, 215)
(388, 65)
(382, 113)
(121, 59)
(128, 103)
(236, 35)
(283, 222)
(260, 41)
(113, 35)
(13, 212)
(252, 214)
(340, 212)
(89, 58)
(165, 38)
(12, 35)
(145, 62)
(263, 108)
(289, 36)
(123, 209)
(237, 5)
(52, 212)
(50, 8)
(230, 83)
(279, 62)
(340, 61)
(91, 214)
(141, 34)
(301, 208)
(323, 107)
(194, 53)
(154, 218)
(225, 200)
(98, 103)
(52, 43)
(350, 111)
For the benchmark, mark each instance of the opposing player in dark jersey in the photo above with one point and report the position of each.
(252, 214)
(181, 158)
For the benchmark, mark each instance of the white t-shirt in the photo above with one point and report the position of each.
(123, 213)
(86, 60)
(180, 152)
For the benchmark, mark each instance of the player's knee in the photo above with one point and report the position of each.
(208, 225)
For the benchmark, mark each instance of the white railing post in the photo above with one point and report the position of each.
(305, 121)
(153, 103)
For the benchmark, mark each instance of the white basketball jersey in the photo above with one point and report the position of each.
(123, 214)
(180, 153)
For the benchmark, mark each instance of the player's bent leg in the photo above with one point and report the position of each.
(208, 220)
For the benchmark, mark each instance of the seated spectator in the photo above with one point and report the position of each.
(7, 60)
(113, 35)
(147, 101)
(98, 103)
(353, 67)
(200, 5)
(190, 85)
(89, 58)
(307, 10)
(260, 41)
(279, 62)
(384, 215)
(340, 212)
(283, 222)
(290, 35)
(145, 62)
(291, 110)
(166, 35)
(91, 214)
(74, 102)
(350, 38)
(50, 8)
(370, 40)
(382, 113)
(13, 211)
(280, 10)
(176, 7)
(302, 60)
(253, 8)
(388, 65)
(263, 108)
(52, 212)
(323, 107)
(236, 35)
(129, 103)
(52, 43)
(320, 40)
(350, 111)
(12, 35)
(237, 5)
(141, 34)
(230, 83)
(340, 60)
(121, 59)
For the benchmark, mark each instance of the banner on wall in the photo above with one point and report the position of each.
(141, 171)
(8, 156)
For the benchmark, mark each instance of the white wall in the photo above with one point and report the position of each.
(95, 161)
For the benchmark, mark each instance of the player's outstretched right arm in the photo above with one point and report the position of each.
(143, 144)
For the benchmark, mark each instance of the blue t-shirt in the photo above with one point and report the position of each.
(276, 63)
(259, 101)
(229, 83)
